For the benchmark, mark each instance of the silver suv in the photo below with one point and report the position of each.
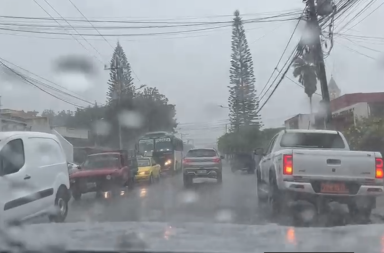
(202, 163)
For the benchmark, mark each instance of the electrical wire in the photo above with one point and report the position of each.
(41, 7)
(25, 79)
(100, 34)
(281, 57)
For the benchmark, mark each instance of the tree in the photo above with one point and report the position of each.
(120, 78)
(243, 102)
(367, 134)
(246, 141)
(154, 107)
(305, 70)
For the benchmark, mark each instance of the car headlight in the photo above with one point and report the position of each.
(108, 177)
(168, 162)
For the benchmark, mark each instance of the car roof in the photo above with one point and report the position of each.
(8, 134)
(105, 153)
(212, 149)
(320, 131)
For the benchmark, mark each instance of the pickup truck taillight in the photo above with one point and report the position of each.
(287, 164)
(186, 161)
(379, 168)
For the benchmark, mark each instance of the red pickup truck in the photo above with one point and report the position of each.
(106, 173)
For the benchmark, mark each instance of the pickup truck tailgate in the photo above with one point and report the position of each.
(334, 163)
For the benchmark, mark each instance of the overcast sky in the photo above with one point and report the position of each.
(191, 70)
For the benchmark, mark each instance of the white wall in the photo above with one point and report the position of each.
(305, 122)
(72, 132)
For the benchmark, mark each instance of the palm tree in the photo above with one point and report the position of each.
(305, 70)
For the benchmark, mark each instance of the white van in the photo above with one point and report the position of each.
(34, 177)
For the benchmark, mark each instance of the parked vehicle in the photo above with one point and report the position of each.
(202, 163)
(107, 173)
(318, 166)
(149, 170)
(33, 176)
(72, 167)
(243, 162)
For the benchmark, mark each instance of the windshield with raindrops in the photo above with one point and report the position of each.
(199, 126)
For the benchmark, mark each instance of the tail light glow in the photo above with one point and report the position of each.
(379, 168)
(287, 164)
(216, 160)
(186, 161)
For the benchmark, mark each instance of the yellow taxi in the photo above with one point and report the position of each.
(149, 170)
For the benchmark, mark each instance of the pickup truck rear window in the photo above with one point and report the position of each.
(312, 140)
(201, 153)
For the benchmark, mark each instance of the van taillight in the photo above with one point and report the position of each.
(287, 164)
(379, 168)
(216, 160)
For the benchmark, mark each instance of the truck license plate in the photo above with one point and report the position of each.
(333, 188)
(202, 171)
(91, 185)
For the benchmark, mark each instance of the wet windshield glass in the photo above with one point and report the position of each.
(146, 146)
(201, 153)
(312, 140)
(144, 163)
(163, 144)
(102, 161)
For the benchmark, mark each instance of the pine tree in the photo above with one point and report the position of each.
(243, 102)
(120, 79)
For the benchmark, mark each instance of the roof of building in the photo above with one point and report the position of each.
(332, 85)
(354, 98)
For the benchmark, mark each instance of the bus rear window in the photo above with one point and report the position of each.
(312, 140)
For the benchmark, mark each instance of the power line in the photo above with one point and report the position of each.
(35, 85)
(47, 85)
(290, 61)
(90, 23)
(262, 19)
(357, 52)
(60, 25)
(97, 51)
(281, 57)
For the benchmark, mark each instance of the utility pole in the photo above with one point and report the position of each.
(319, 60)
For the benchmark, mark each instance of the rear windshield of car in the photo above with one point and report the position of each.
(102, 161)
(143, 162)
(201, 153)
(312, 140)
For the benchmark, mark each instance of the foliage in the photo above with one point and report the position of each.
(305, 70)
(243, 102)
(367, 134)
(120, 78)
(246, 140)
(151, 106)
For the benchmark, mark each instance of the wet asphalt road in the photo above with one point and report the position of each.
(234, 201)
(167, 201)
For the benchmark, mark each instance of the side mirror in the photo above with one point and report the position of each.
(79, 167)
(222, 157)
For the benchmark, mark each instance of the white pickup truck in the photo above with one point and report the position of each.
(318, 166)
